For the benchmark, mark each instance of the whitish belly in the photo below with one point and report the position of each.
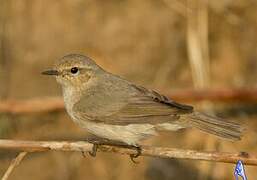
(130, 134)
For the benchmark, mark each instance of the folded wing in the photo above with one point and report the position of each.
(141, 106)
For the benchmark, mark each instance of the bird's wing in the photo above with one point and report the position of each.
(144, 106)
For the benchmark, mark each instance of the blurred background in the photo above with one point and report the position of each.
(165, 45)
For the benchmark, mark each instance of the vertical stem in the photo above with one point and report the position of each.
(203, 20)
(197, 44)
(3, 60)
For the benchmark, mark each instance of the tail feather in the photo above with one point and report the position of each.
(216, 126)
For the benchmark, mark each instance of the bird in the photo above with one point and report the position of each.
(113, 108)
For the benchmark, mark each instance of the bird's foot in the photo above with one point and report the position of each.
(96, 141)
(94, 150)
(134, 156)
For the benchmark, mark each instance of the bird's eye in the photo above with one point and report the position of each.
(74, 70)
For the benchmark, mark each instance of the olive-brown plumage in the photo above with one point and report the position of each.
(111, 107)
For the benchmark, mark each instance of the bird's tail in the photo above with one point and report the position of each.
(214, 125)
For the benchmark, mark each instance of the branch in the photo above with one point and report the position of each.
(13, 164)
(32, 105)
(56, 103)
(161, 152)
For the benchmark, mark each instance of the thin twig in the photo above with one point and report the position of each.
(14, 164)
(161, 152)
(46, 104)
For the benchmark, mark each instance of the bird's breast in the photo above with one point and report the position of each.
(70, 96)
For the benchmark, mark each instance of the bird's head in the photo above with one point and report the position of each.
(74, 70)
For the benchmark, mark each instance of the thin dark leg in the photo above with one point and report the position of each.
(94, 150)
(97, 141)
(134, 156)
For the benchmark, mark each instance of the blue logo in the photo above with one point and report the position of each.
(240, 171)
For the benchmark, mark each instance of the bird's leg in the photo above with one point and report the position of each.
(123, 145)
(97, 141)
(134, 156)
(128, 146)
(94, 150)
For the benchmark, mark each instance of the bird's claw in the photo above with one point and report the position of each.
(134, 156)
(83, 154)
(100, 141)
(94, 150)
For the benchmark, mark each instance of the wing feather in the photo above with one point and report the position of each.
(142, 106)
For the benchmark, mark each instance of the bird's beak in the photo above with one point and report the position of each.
(51, 72)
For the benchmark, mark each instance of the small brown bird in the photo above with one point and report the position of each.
(113, 108)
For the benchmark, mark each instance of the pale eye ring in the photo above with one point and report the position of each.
(74, 70)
